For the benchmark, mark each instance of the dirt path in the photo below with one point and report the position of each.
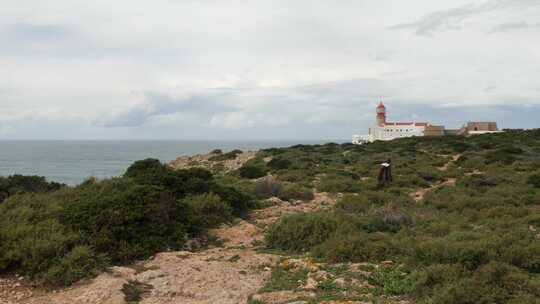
(421, 193)
(453, 160)
(225, 275)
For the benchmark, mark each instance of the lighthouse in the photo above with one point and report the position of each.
(381, 115)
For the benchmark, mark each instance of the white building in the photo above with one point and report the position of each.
(384, 130)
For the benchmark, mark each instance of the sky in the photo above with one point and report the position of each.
(262, 70)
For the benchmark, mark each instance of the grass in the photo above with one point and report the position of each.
(285, 280)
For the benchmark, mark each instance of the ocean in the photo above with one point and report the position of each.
(71, 162)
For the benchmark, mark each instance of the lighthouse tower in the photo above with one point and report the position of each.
(381, 114)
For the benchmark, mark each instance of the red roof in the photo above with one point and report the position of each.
(418, 124)
(381, 106)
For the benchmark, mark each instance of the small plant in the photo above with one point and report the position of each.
(339, 184)
(351, 203)
(251, 171)
(300, 232)
(388, 218)
(285, 280)
(534, 180)
(392, 280)
(208, 210)
(235, 258)
(279, 163)
(296, 192)
(133, 291)
(225, 156)
(268, 187)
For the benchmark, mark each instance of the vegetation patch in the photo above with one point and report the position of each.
(134, 290)
(58, 237)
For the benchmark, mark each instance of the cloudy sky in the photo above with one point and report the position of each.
(275, 69)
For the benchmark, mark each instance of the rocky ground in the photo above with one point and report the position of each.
(204, 161)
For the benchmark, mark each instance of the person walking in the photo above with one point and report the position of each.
(385, 174)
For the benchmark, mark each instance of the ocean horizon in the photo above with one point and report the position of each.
(73, 161)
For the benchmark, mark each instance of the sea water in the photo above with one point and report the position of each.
(71, 162)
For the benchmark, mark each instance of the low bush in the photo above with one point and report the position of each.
(296, 192)
(300, 232)
(125, 219)
(62, 236)
(207, 210)
(357, 246)
(225, 156)
(534, 180)
(350, 203)
(268, 187)
(251, 171)
(339, 184)
(79, 263)
(179, 182)
(492, 283)
(279, 163)
(388, 219)
(19, 184)
(430, 175)
(394, 280)
(239, 201)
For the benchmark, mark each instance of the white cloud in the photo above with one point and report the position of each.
(140, 69)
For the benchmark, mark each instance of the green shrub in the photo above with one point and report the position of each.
(393, 280)
(493, 283)
(506, 155)
(296, 192)
(279, 163)
(208, 210)
(251, 171)
(268, 187)
(79, 263)
(534, 180)
(125, 219)
(179, 182)
(285, 280)
(350, 203)
(460, 147)
(339, 184)
(59, 237)
(389, 219)
(430, 175)
(225, 156)
(19, 184)
(300, 232)
(356, 247)
(468, 253)
(239, 201)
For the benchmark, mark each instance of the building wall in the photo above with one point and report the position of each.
(434, 131)
(482, 126)
(389, 132)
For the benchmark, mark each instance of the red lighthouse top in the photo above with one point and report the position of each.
(381, 106)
